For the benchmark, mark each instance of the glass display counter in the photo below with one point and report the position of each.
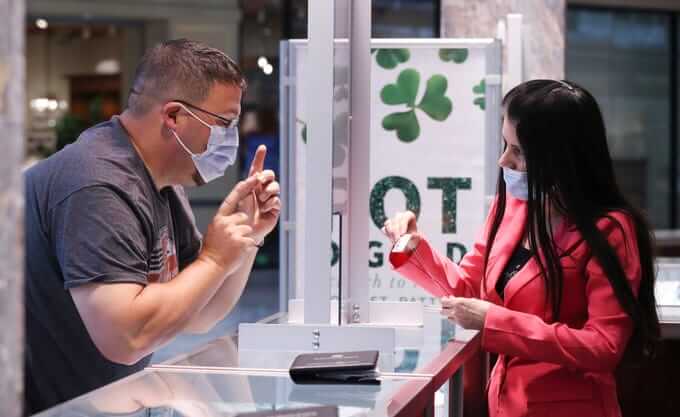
(437, 350)
(668, 296)
(194, 393)
(220, 379)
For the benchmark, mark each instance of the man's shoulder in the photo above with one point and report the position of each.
(99, 157)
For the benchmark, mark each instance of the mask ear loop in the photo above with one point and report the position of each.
(177, 136)
(183, 145)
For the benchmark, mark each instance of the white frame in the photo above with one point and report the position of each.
(321, 27)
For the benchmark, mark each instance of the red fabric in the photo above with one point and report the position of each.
(563, 368)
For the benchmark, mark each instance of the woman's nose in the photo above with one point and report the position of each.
(505, 160)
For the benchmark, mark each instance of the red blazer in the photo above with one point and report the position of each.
(544, 368)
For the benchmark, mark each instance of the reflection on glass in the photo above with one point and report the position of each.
(163, 394)
(623, 58)
(194, 394)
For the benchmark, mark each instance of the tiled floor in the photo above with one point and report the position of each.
(260, 299)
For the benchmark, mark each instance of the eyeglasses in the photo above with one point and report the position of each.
(226, 122)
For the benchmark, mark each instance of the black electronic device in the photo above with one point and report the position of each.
(336, 367)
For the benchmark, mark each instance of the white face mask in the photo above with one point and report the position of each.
(517, 183)
(219, 155)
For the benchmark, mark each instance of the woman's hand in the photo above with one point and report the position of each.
(401, 224)
(469, 313)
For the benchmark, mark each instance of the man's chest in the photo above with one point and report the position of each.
(163, 261)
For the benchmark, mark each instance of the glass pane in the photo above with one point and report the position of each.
(623, 58)
(341, 107)
(300, 111)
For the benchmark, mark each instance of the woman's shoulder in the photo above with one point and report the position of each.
(617, 223)
(616, 226)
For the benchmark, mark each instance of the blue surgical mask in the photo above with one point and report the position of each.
(517, 183)
(220, 154)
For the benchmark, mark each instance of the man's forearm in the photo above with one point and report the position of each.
(176, 302)
(144, 318)
(224, 300)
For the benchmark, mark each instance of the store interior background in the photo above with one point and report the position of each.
(79, 68)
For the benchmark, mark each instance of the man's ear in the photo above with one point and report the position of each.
(169, 114)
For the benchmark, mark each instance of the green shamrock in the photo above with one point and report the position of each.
(405, 123)
(340, 138)
(457, 55)
(404, 91)
(480, 89)
(339, 132)
(390, 58)
(434, 103)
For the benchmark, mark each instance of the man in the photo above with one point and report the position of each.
(115, 267)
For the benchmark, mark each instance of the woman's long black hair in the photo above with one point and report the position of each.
(563, 139)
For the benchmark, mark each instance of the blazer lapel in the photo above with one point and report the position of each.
(528, 273)
(531, 269)
(508, 236)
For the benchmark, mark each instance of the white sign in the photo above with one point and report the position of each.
(430, 129)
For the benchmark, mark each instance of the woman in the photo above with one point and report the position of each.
(561, 282)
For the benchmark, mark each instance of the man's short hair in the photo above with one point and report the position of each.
(180, 69)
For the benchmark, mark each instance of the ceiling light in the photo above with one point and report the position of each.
(107, 66)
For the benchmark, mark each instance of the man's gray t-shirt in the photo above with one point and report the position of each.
(93, 215)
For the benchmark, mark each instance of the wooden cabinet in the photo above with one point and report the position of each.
(93, 90)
